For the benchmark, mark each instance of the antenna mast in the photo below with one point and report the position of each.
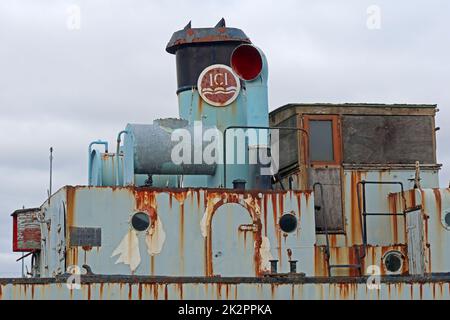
(51, 174)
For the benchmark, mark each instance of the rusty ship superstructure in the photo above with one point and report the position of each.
(352, 209)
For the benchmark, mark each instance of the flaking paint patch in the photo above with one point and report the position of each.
(128, 250)
(155, 238)
(265, 254)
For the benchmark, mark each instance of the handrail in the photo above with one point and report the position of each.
(363, 209)
(98, 142)
(250, 127)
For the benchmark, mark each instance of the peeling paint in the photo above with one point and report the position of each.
(265, 254)
(128, 250)
(155, 238)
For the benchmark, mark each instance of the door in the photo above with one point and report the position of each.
(232, 241)
(324, 170)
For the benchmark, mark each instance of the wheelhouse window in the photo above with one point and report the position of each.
(324, 146)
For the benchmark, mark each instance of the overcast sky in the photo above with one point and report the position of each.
(64, 87)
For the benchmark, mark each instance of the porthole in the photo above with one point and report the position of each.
(140, 221)
(393, 262)
(288, 222)
(445, 219)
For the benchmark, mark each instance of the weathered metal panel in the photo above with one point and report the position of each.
(231, 289)
(388, 139)
(328, 197)
(85, 237)
(416, 245)
(288, 143)
(233, 235)
(51, 259)
(194, 222)
(365, 109)
(382, 230)
(27, 232)
(436, 236)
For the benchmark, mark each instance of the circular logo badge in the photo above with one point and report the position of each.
(218, 85)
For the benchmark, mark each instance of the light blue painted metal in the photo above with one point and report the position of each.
(187, 218)
(381, 230)
(258, 102)
(105, 167)
(90, 164)
(193, 108)
(223, 291)
(250, 108)
(435, 203)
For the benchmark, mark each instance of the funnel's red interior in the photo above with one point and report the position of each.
(246, 62)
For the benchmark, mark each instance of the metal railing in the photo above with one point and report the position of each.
(251, 127)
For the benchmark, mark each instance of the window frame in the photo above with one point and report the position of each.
(336, 139)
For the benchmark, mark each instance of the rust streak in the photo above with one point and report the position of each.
(139, 291)
(180, 290)
(393, 208)
(200, 108)
(265, 215)
(437, 195)
(275, 224)
(152, 265)
(155, 291)
(198, 198)
(319, 262)
(356, 221)
(181, 242)
(70, 220)
(130, 291)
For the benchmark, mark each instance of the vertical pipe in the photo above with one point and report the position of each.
(117, 154)
(51, 173)
(364, 213)
(23, 267)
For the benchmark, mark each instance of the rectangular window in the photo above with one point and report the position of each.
(324, 142)
(321, 140)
